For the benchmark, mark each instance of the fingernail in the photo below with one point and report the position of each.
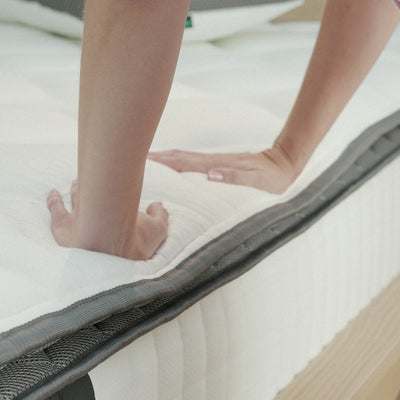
(215, 175)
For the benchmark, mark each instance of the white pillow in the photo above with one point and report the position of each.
(215, 19)
(207, 19)
(33, 13)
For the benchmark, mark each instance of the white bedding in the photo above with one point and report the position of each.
(208, 21)
(232, 94)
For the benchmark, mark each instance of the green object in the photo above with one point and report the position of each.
(189, 22)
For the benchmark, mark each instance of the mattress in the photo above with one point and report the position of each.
(249, 286)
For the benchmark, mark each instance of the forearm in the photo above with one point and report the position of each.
(352, 36)
(129, 55)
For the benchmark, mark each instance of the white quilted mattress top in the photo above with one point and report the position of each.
(231, 95)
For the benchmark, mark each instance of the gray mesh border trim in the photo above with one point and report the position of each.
(113, 319)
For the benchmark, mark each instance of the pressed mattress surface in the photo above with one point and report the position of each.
(229, 95)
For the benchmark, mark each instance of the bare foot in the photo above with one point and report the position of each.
(270, 170)
(137, 244)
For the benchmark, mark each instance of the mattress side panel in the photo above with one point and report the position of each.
(278, 316)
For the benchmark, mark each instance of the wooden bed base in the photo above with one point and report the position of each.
(362, 362)
(310, 10)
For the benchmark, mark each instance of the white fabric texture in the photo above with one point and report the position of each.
(252, 336)
(206, 24)
(230, 95)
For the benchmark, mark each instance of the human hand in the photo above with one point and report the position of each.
(269, 170)
(139, 244)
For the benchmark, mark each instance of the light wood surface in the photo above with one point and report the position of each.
(362, 362)
(311, 10)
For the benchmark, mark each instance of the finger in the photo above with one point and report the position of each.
(56, 206)
(158, 212)
(237, 177)
(182, 161)
(203, 162)
(152, 228)
(60, 218)
(256, 178)
(74, 192)
(174, 153)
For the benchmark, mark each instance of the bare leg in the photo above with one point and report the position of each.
(129, 54)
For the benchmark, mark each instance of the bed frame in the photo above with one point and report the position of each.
(362, 362)
(310, 10)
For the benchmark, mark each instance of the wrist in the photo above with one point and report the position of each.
(288, 159)
(295, 152)
(96, 233)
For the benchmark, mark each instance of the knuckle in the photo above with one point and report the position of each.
(52, 201)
